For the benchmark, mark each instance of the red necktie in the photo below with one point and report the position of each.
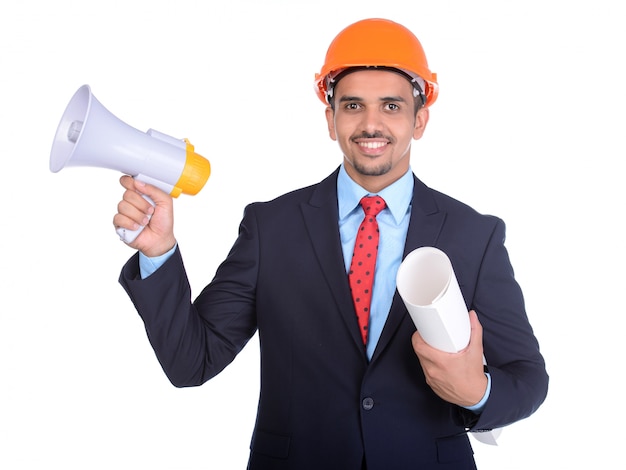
(361, 275)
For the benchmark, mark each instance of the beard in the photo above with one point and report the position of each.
(371, 170)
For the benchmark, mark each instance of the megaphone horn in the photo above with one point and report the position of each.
(89, 135)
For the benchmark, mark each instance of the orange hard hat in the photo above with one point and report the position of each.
(377, 42)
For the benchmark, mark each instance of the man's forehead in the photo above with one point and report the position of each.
(361, 82)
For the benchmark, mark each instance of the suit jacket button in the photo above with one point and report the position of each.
(368, 403)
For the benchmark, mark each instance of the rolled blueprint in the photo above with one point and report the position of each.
(429, 288)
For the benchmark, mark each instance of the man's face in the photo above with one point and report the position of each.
(374, 122)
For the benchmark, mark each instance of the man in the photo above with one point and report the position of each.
(337, 391)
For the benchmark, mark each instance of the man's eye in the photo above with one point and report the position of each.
(392, 106)
(352, 106)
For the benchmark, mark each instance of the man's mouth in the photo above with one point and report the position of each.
(372, 145)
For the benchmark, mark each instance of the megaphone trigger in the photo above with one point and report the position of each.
(89, 135)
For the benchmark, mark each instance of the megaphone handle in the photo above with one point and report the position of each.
(129, 236)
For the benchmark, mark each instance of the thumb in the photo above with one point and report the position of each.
(476, 331)
(476, 327)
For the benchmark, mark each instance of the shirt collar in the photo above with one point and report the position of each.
(397, 195)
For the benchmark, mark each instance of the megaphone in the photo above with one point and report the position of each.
(89, 135)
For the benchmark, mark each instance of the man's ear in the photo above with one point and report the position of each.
(421, 119)
(330, 119)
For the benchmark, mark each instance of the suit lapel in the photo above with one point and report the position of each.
(321, 217)
(424, 228)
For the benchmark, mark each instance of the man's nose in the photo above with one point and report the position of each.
(372, 121)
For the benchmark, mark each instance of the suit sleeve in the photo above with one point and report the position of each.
(194, 341)
(517, 368)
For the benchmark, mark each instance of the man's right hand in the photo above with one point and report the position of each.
(134, 211)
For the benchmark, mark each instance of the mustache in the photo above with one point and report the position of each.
(375, 135)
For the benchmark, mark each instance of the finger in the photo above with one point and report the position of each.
(138, 201)
(140, 187)
(127, 182)
(421, 347)
(130, 214)
(121, 221)
(134, 194)
(157, 195)
(476, 327)
(417, 339)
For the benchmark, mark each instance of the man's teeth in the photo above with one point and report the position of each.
(372, 145)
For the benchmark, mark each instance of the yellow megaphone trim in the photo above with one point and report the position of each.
(195, 173)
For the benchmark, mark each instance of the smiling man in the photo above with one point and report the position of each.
(374, 120)
(346, 381)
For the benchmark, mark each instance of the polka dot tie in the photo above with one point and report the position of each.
(361, 275)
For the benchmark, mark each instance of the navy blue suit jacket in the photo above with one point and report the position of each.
(322, 404)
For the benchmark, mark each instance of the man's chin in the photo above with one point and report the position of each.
(372, 170)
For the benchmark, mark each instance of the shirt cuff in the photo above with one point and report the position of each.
(148, 265)
(478, 407)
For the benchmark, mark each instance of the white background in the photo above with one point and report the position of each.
(529, 126)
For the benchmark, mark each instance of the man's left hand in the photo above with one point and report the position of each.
(458, 378)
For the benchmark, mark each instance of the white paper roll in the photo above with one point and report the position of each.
(429, 288)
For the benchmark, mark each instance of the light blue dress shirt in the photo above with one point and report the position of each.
(393, 224)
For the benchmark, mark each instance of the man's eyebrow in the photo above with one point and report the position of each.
(393, 98)
(349, 98)
(346, 98)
